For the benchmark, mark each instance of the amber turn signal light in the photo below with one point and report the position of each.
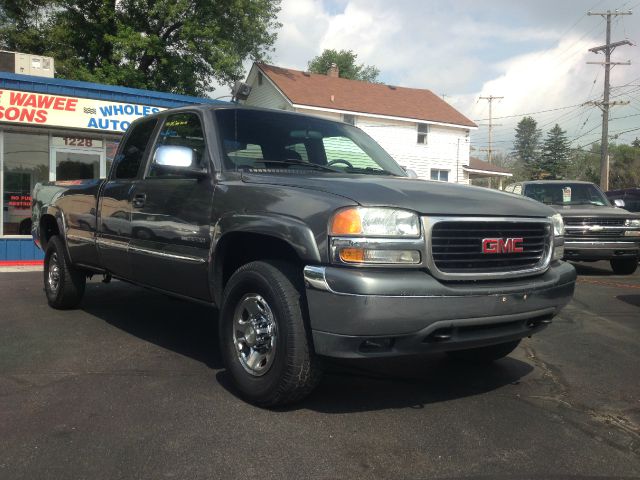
(346, 222)
(352, 255)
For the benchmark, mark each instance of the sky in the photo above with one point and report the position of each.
(532, 53)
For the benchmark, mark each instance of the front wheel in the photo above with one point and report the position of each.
(485, 354)
(265, 339)
(624, 266)
(63, 284)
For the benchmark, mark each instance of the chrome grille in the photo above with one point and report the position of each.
(588, 221)
(594, 227)
(455, 247)
(578, 233)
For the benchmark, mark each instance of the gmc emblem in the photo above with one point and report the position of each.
(502, 245)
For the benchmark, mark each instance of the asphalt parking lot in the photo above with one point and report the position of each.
(130, 386)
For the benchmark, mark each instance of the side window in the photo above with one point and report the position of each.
(132, 152)
(182, 130)
(517, 189)
(508, 188)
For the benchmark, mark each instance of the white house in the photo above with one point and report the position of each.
(419, 129)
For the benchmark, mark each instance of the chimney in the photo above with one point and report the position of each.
(333, 71)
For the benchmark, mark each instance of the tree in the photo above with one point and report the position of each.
(178, 46)
(625, 166)
(585, 164)
(526, 147)
(347, 67)
(555, 153)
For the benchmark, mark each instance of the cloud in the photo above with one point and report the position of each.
(465, 49)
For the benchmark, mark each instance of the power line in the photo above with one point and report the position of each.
(607, 48)
(531, 113)
(490, 99)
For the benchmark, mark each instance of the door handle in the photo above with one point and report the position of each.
(139, 200)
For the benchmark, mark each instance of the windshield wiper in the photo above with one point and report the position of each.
(369, 170)
(300, 163)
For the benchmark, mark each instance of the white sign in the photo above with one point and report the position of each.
(71, 112)
(83, 142)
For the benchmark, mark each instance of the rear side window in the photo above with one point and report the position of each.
(132, 152)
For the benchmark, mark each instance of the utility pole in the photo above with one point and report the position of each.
(490, 99)
(607, 48)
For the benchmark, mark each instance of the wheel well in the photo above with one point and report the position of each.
(237, 249)
(48, 228)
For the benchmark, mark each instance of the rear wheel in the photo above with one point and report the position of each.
(624, 266)
(265, 340)
(485, 354)
(63, 284)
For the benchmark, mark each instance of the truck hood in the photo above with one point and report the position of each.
(592, 211)
(424, 197)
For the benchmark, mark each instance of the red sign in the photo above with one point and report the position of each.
(20, 201)
(502, 245)
(33, 107)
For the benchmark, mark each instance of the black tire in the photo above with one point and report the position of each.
(485, 354)
(624, 266)
(290, 370)
(63, 284)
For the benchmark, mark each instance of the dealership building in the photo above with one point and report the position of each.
(53, 129)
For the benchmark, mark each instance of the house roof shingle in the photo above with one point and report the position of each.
(315, 90)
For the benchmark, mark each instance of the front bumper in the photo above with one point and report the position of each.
(365, 312)
(599, 249)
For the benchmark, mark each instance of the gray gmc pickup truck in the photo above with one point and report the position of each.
(310, 239)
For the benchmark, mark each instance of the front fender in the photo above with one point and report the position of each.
(291, 230)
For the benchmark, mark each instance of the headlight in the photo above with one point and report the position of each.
(632, 222)
(558, 236)
(558, 225)
(375, 222)
(375, 236)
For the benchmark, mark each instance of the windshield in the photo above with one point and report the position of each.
(566, 194)
(263, 140)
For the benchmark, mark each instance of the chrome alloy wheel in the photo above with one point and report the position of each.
(254, 334)
(53, 274)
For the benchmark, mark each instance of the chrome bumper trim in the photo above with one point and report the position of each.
(314, 277)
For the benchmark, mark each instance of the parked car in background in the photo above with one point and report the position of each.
(630, 197)
(595, 229)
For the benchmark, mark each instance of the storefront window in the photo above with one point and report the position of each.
(77, 165)
(77, 157)
(26, 162)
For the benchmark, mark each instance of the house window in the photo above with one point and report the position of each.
(423, 133)
(350, 119)
(439, 175)
(259, 78)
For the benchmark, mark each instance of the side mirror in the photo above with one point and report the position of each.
(173, 156)
(618, 202)
(177, 160)
(411, 173)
